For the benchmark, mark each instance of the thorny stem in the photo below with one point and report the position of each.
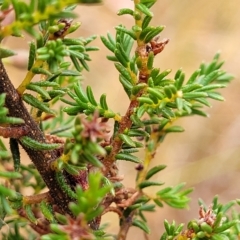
(40, 159)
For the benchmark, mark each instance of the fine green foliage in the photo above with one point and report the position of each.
(74, 150)
(212, 224)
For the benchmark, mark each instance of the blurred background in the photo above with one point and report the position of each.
(207, 155)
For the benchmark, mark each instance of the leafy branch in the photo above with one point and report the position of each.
(75, 156)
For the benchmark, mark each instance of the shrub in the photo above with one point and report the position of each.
(74, 149)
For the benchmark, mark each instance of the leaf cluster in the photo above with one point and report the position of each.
(213, 223)
(156, 100)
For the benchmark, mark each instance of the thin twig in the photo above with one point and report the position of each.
(37, 198)
(127, 223)
(113, 209)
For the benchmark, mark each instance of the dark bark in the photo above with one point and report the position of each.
(40, 159)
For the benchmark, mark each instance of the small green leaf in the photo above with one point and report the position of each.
(218, 220)
(40, 70)
(164, 191)
(32, 55)
(90, 96)
(193, 77)
(30, 214)
(120, 58)
(71, 169)
(146, 31)
(155, 92)
(44, 94)
(210, 77)
(191, 87)
(201, 234)
(153, 34)
(147, 207)
(206, 227)
(203, 101)
(65, 187)
(84, 64)
(68, 72)
(30, 99)
(219, 237)
(161, 76)
(76, 63)
(146, 21)
(137, 133)
(127, 140)
(225, 226)
(145, 184)
(154, 170)
(199, 112)
(137, 121)
(179, 102)
(45, 84)
(124, 72)
(129, 150)
(4, 53)
(141, 110)
(174, 129)
(122, 53)
(168, 113)
(136, 89)
(215, 96)
(15, 153)
(168, 92)
(46, 210)
(92, 159)
(150, 60)
(10, 174)
(211, 87)
(124, 11)
(179, 81)
(126, 85)
(145, 100)
(142, 225)
(127, 157)
(72, 111)
(144, 9)
(80, 93)
(103, 102)
(33, 144)
(131, 33)
(192, 95)
(7, 192)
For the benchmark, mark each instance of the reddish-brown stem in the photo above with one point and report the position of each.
(39, 158)
(129, 201)
(127, 223)
(113, 209)
(126, 123)
(37, 198)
